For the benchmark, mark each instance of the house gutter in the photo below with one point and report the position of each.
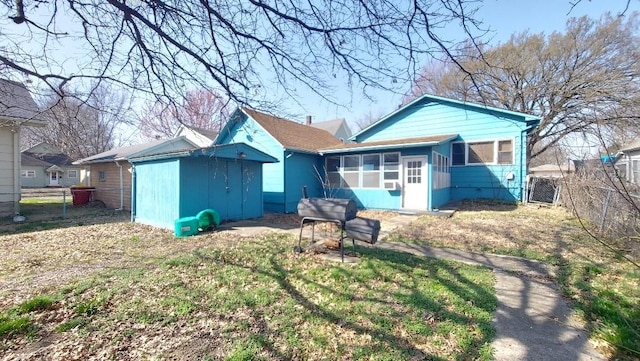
(121, 187)
(380, 147)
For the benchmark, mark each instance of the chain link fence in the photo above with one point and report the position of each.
(50, 204)
(613, 207)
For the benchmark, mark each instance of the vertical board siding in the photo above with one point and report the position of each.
(157, 193)
(230, 187)
(246, 130)
(438, 118)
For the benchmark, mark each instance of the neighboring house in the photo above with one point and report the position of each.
(111, 173)
(17, 109)
(44, 165)
(294, 145)
(201, 137)
(552, 170)
(419, 157)
(628, 162)
(225, 178)
(336, 127)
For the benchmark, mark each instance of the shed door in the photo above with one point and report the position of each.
(235, 199)
(414, 188)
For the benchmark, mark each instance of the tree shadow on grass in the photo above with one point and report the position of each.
(386, 310)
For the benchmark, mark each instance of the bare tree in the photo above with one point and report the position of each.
(586, 76)
(241, 49)
(82, 128)
(202, 109)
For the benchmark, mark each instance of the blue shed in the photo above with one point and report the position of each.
(226, 178)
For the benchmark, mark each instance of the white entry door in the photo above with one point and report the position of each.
(414, 189)
(53, 178)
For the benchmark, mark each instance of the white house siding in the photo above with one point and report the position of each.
(9, 190)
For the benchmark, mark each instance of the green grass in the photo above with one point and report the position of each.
(602, 287)
(260, 301)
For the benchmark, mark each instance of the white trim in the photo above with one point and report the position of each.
(495, 151)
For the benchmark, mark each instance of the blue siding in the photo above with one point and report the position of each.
(434, 117)
(169, 189)
(246, 130)
(437, 118)
(373, 198)
(299, 172)
(157, 193)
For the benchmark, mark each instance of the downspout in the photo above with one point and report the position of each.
(16, 171)
(523, 167)
(284, 182)
(133, 192)
(121, 188)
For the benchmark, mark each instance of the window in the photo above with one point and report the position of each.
(485, 152)
(72, 173)
(371, 171)
(458, 153)
(28, 173)
(480, 152)
(362, 171)
(102, 176)
(505, 152)
(333, 171)
(635, 171)
(441, 171)
(351, 171)
(391, 166)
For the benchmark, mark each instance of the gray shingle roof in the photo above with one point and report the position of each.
(332, 126)
(16, 102)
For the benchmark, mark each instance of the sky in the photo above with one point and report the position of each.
(503, 17)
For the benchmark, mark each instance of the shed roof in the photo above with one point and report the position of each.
(239, 151)
(390, 144)
(124, 153)
(16, 103)
(293, 135)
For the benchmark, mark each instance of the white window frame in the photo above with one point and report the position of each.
(441, 171)
(382, 169)
(28, 173)
(75, 171)
(496, 142)
(363, 171)
(102, 176)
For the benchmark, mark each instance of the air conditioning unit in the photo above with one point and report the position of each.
(391, 185)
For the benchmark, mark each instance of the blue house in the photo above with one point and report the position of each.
(169, 186)
(419, 157)
(431, 151)
(295, 146)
